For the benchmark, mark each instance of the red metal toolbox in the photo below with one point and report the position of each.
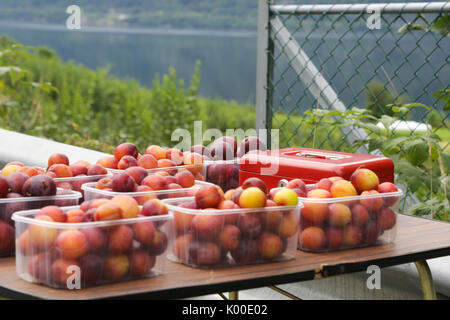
(310, 165)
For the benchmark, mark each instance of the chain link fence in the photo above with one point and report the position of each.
(368, 56)
(341, 56)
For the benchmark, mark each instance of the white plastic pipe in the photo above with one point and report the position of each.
(35, 151)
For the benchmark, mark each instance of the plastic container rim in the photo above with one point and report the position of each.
(22, 216)
(172, 207)
(88, 187)
(70, 195)
(68, 179)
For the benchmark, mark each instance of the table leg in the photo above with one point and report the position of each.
(233, 295)
(426, 279)
(285, 293)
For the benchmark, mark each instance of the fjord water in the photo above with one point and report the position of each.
(229, 60)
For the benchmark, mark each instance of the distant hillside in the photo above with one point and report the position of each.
(191, 14)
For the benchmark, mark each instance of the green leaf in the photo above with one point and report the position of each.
(417, 153)
(392, 145)
(410, 27)
(441, 25)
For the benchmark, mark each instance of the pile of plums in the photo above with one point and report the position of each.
(331, 222)
(50, 253)
(243, 225)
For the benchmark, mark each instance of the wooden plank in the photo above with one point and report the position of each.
(417, 239)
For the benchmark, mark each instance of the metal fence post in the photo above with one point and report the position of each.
(264, 70)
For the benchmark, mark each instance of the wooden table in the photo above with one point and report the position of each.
(418, 239)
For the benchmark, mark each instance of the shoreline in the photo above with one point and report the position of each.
(137, 31)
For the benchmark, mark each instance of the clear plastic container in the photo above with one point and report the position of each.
(212, 238)
(224, 173)
(10, 205)
(75, 183)
(332, 224)
(90, 192)
(80, 255)
(196, 169)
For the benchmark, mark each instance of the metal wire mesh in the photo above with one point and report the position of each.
(365, 68)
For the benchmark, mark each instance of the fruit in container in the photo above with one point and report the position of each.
(250, 224)
(155, 182)
(71, 244)
(125, 149)
(185, 179)
(289, 224)
(96, 170)
(181, 246)
(316, 212)
(249, 144)
(194, 161)
(147, 161)
(4, 186)
(252, 197)
(360, 215)
(159, 243)
(386, 219)
(352, 236)
(104, 184)
(57, 158)
(372, 203)
(61, 270)
(208, 196)
(324, 184)
(108, 211)
(141, 262)
(126, 162)
(387, 187)
(39, 186)
(312, 238)
(270, 245)
(206, 226)
(334, 237)
(246, 251)
(339, 215)
(285, 197)
(204, 253)
(175, 155)
(78, 170)
(91, 266)
(154, 207)
(123, 182)
(342, 188)
(7, 238)
(156, 151)
(364, 180)
(42, 237)
(53, 212)
(116, 266)
(129, 207)
(15, 181)
(229, 237)
(221, 150)
(254, 182)
(61, 170)
(120, 239)
(9, 169)
(109, 162)
(144, 232)
(96, 238)
(168, 166)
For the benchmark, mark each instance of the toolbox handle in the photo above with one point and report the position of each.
(319, 155)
